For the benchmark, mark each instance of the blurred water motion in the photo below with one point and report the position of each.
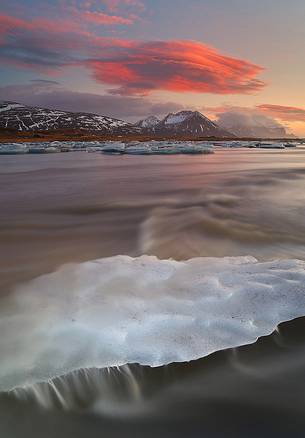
(72, 207)
(65, 208)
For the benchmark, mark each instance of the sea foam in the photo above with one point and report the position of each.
(143, 310)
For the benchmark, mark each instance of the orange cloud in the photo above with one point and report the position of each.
(130, 67)
(286, 113)
(179, 66)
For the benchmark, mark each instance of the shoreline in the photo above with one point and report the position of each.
(7, 136)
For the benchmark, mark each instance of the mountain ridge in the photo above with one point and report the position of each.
(191, 124)
(185, 122)
(148, 122)
(19, 117)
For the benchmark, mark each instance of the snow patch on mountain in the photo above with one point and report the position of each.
(172, 119)
(6, 106)
(24, 118)
(149, 122)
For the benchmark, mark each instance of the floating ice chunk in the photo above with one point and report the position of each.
(110, 147)
(183, 148)
(120, 310)
(113, 148)
(158, 148)
(13, 149)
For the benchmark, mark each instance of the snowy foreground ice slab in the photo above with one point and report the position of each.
(123, 310)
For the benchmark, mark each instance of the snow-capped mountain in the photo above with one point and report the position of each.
(188, 123)
(15, 116)
(149, 122)
(25, 118)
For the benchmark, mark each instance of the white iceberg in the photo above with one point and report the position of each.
(13, 149)
(167, 148)
(121, 310)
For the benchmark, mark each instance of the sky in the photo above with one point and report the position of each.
(133, 58)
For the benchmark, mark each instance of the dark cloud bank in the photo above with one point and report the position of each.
(50, 94)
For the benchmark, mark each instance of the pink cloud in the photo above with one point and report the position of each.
(286, 113)
(178, 66)
(130, 67)
(9, 24)
(116, 5)
(104, 19)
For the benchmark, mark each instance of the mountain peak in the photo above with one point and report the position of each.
(185, 123)
(149, 122)
(7, 105)
(179, 117)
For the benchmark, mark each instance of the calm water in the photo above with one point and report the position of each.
(77, 206)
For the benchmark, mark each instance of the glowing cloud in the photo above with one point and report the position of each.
(130, 67)
(286, 113)
(179, 66)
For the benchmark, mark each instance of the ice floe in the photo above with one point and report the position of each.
(153, 147)
(121, 310)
